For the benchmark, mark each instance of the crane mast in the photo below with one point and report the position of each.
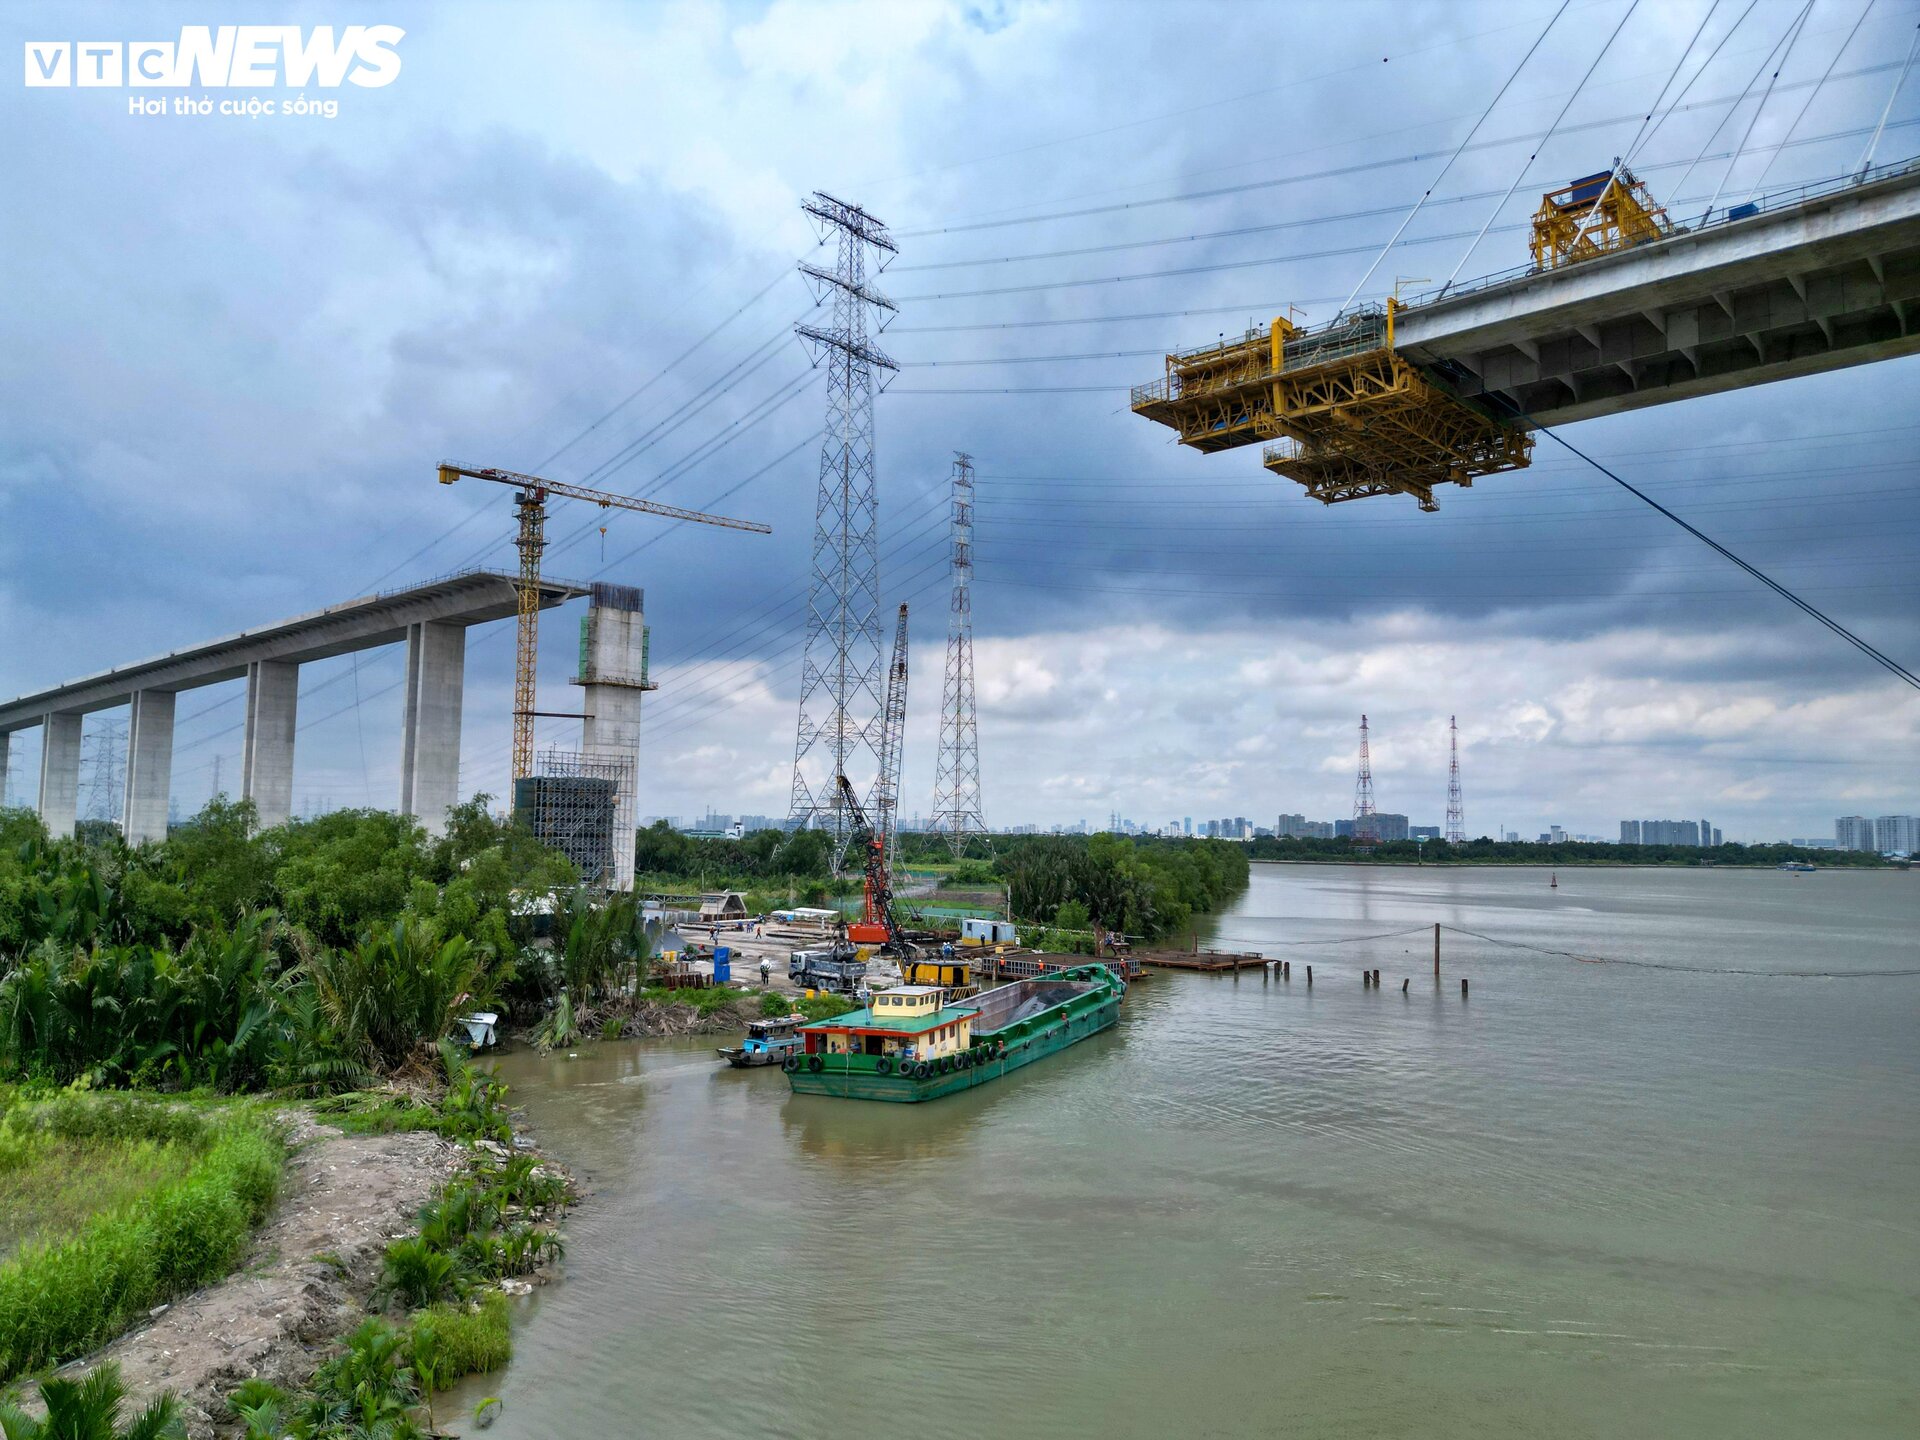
(893, 736)
(877, 923)
(531, 503)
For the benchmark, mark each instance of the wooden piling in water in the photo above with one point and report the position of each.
(1309, 975)
(1436, 949)
(1463, 987)
(1404, 984)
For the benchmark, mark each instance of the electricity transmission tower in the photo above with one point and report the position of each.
(1456, 823)
(956, 794)
(842, 709)
(893, 737)
(106, 755)
(1366, 829)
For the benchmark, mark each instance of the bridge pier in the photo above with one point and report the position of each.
(149, 766)
(430, 722)
(59, 802)
(266, 761)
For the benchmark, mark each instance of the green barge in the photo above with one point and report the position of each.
(917, 1042)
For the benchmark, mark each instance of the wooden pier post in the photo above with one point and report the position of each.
(1404, 984)
(1463, 987)
(1309, 976)
(1436, 949)
(1286, 969)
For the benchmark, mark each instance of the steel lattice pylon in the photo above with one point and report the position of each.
(956, 795)
(1366, 828)
(1456, 821)
(841, 672)
(893, 737)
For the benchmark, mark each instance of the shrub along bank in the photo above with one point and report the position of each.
(61, 1297)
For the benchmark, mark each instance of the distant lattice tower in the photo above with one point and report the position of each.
(956, 797)
(842, 669)
(1456, 822)
(1366, 829)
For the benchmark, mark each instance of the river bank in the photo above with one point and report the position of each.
(305, 1281)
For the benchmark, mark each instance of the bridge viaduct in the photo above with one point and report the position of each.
(431, 619)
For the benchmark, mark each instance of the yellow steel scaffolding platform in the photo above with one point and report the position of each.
(1350, 416)
(1595, 215)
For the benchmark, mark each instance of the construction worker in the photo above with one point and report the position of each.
(766, 969)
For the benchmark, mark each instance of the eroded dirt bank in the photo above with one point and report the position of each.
(305, 1280)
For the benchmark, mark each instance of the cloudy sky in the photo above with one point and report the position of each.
(563, 239)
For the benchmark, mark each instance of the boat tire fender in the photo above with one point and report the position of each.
(816, 1064)
(883, 1066)
(790, 1064)
(922, 1070)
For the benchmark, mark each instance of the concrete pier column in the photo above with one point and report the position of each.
(149, 765)
(430, 721)
(266, 763)
(60, 772)
(613, 678)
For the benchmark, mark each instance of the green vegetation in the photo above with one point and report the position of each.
(773, 867)
(814, 1007)
(1485, 851)
(709, 1000)
(304, 959)
(1139, 887)
(89, 1409)
(822, 1007)
(442, 1317)
(312, 959)
(50, 1184)
(63, 1295)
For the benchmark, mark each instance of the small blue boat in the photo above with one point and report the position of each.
(768, 1042)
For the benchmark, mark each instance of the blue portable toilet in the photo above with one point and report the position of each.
(722, 964)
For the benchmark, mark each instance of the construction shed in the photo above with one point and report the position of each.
(725, 905)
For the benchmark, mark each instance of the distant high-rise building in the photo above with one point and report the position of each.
(1853, 832)
(1706, 833)
(1670, 832)
(1423, 832)
(1896, 833)
(1556, 835)
(1290, 825)
(1716, 836)
(1513, 837)
(1188, 822)
(1389, 827)
(1629, 832)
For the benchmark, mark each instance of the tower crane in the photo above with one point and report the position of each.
(531, 541)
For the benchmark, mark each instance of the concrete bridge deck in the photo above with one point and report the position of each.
(432, 618)
(1811, 281)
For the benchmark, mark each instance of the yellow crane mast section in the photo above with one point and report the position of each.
(1350, 417)
(531, 541)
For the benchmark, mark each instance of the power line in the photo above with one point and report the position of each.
(1898, 670)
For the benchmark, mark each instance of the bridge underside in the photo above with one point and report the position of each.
(1799, 325)
(1818, 288)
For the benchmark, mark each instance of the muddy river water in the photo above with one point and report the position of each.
(1666, 1196)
